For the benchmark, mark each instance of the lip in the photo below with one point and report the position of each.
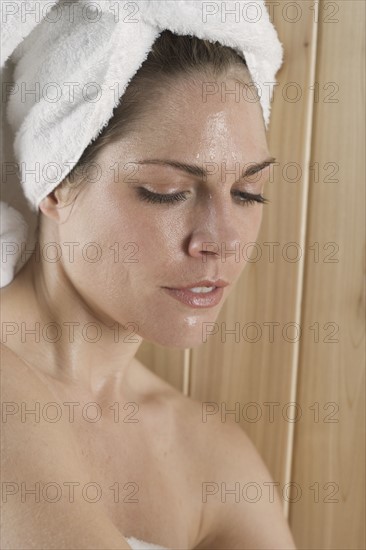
(218, 283)
(196, 300)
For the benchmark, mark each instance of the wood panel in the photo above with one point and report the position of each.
(329, 452)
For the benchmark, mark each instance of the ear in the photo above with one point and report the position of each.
(50, 206)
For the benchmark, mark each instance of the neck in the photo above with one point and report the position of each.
(48, 322)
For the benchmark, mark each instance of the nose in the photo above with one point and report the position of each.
(214, 234)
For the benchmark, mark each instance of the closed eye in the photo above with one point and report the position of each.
(245, 197)
(158, 198)
(251, 198)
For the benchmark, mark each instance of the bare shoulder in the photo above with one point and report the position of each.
(213, 459)
(241, 507)
(29, 440)
(39, 460)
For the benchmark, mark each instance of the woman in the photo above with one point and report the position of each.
(112, 452)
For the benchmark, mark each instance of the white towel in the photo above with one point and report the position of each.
(137, 544)
(104, 43)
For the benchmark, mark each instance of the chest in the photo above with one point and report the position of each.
(146, 480)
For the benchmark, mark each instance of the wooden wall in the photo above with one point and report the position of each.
(310, 371)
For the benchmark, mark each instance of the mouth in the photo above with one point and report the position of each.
(202, 286)
(197, 297)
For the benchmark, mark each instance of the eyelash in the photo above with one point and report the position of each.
(248, 198)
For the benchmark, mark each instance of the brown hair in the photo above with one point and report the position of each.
(171, 57)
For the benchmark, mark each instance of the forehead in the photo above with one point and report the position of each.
(191, 100)
(198, 118)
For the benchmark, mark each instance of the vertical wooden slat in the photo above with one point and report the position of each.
(329, 452)
(313, 47)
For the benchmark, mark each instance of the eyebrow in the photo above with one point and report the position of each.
(195, 170)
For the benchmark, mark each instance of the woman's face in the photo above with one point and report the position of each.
(145, 246)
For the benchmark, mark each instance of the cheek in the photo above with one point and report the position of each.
(132, 241)
(254, 220)
(160, 236)
(100, 234)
